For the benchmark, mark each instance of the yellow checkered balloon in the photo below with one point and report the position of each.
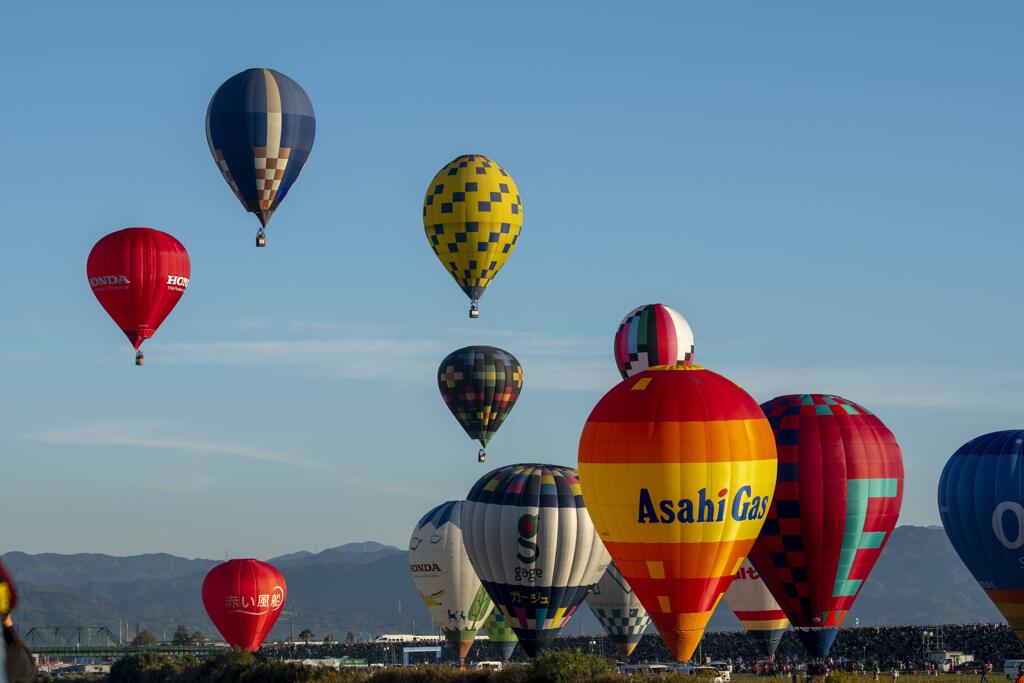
(472, 215)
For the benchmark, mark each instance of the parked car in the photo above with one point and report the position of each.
(707, 674)
(1012, 667)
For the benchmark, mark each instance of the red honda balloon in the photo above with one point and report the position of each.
(138, 275)
(244, 599)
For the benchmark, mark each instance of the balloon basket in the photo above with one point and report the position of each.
(474, 311)
(140, 359)
(481, 456)
(261, 239)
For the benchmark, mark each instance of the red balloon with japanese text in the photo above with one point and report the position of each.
(244, 599)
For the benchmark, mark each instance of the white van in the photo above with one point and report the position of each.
(1011, 667)
(652, 669)
(724, 668)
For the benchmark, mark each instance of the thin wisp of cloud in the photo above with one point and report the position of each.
(556, 362)
(163, 437)
(158, 435)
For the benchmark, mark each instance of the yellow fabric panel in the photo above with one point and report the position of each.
(767, 625)
(612, 492)
(273, 115)
(1011, 610)
(692, 621)
(656, 570)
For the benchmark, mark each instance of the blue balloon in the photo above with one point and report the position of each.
(981, 503)
(260, 126)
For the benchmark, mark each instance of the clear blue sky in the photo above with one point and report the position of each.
(831, 195)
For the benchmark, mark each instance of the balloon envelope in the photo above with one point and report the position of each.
(652, 335)
(836, 503)
(499, 631)
(752, 603)
(244, 598)
(472, 216)
(981, 503)
(619, 610)
(480, 385)
(8, 595)
(260, 127)
(138, 275)
(533, 546)
(678, 468)
(445, 578)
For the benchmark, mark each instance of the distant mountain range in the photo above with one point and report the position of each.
(365, 588)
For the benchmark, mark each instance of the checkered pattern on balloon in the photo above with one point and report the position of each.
(867, 497)
(472, 216)
(260, 127)
(480, 385)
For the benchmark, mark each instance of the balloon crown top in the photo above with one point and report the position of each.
(678, 366)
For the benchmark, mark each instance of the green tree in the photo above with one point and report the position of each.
(350, 639)
(570, 666)
(329, 638)
(181, 636)
(149, 666)
(305, 634)
(144, 638)
(198, 637)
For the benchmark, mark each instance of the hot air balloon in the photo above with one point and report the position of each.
(981, 503)
(752, 603)
(480, 384)
(652, 335)
(499, 630)
(260, 126)
(445, 578)
(619, 610)
(8, 595)
(244, 599)
(138, 275)
(678, 468)
(472, 216)
(837, 500)
(533, 546)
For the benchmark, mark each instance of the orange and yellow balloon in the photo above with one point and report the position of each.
(677, 466)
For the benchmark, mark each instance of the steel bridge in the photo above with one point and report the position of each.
(100, 642)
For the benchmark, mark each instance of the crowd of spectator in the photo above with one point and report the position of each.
(902, 648)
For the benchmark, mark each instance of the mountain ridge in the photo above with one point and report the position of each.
(365, 588)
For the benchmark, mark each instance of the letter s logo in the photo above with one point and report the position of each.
(997, 524)
(527, 530)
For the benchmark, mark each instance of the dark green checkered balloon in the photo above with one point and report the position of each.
(480, 384)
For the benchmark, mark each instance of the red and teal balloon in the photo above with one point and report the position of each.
(981, 503)
(837, 500)
(260, 127)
